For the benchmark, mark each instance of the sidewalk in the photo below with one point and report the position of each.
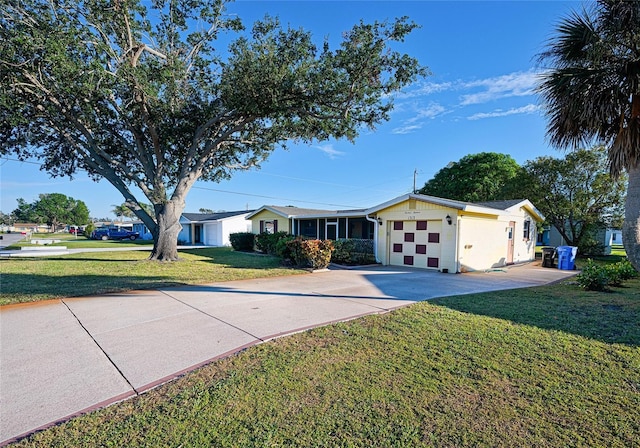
(62, 358)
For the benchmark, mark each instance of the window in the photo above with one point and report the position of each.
(527, 229)
(269, 226)
(308, 228)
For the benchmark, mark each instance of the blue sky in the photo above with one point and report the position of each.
(478, 98)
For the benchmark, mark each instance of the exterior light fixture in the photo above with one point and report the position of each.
(448, 218)
(380, 221)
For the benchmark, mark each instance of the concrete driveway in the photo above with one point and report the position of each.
(65, 357)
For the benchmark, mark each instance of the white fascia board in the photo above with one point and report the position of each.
(537, 214)
(359, 214)
(449, 203)
(270, 209)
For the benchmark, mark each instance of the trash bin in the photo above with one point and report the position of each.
(567, 257)
(548, 254)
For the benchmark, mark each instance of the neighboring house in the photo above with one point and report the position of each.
(607, 237)
(212, 229)
(141, 228)
(422, 231)
(28, 227)
(312, 223)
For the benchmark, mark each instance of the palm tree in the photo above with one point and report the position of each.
(122, 211)
(591, 93)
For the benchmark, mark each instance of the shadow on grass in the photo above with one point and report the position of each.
(611, 317)
(18, 288)
(233, 259)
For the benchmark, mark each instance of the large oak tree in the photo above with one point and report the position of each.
(148, 95)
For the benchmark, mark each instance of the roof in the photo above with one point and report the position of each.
(508, 205)
(200, 217)
(501, 205)
(300, 213)
(450, 203)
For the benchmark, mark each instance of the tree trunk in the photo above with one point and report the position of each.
(631, 227)
(165, 237)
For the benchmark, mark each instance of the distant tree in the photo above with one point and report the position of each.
(590, 91)
(576, 193)
(26, 212)
(474, 178)
(145, 94)
(122, 211)
(206, 210)
(7, 219)
(53, 209)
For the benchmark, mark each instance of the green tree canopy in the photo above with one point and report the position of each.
(53, 209)
(474, 178)
(575, 193)
(146, 95)
(590, 92)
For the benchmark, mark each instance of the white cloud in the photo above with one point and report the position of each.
(330, 151)
(424, 89)
(505, 86)
(407, 129)
(528, 109)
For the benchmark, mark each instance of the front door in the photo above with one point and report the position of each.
(197, 234)
(511, 230)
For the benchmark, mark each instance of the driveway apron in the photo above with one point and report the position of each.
(65, 357)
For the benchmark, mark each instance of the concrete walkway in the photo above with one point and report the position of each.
(62, 358)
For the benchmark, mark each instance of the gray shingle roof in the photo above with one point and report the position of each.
(500, 205)
(213, 216)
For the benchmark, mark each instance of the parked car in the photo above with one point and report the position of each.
(114, 234)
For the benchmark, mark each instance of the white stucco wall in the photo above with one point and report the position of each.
(217, 233)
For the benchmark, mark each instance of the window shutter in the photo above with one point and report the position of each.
(275, 226)
(261, 226)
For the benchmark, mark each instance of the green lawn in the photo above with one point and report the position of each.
(79, 242)
(33, 279)
(544, 367)
(540, 367)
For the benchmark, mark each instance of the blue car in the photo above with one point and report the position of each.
(114, 234)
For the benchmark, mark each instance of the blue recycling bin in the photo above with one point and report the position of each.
(567, 257)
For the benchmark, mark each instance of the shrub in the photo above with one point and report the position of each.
(353, 252)
(89, 229)
(589, 247)
(624, 270)
(267, 242)
(315, 254)
(282, 247)
(242, 241)
(593, 277)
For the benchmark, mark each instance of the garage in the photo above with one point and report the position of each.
(445, 235)
(415, 243)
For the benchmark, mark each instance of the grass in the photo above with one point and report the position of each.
(539, 367)
(542, 367)
(80, 242)
(34, 279)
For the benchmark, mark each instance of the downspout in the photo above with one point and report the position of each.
(376, 224)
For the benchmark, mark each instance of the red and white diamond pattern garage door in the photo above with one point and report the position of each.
(415, 243)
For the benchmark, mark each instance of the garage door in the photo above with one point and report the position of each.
(415, 243)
